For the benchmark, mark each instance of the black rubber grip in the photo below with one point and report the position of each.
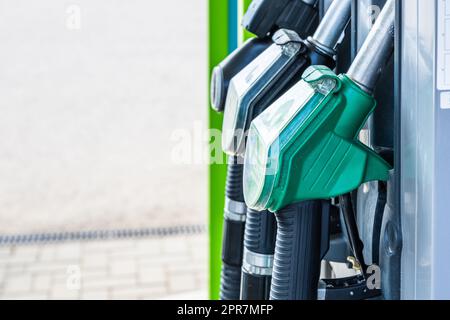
(260, 232)
(267, 16)
(296, 270)
(233, 242)
(255, 287)
(234, 184)
(300, 17)
(262, 15)
(230, 282)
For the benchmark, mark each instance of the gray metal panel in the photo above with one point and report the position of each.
(378, 223)
(418, 111)
(390, 245)
(441, 218)
(366, 204)
(425, 155)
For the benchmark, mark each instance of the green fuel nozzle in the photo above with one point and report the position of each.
(305, 145)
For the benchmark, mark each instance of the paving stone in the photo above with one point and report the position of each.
(176, 245)
(14, 269)
(202, 278)
(123, 267)
(26, 296)
(2, 276)
(70, 280)
(164, 260)
(109, 282)
(87, 272)
(199, 253)
(53, 269)
(47, 253)
(102, 246)
(5, 252)
(21, 259)
(149, 247)
(188, 295)
(62, 292)
(18, 284)
(94, 260)
(99, 294)
(180, 283)
(57, 268)
(138, 293)
(94, 273)
(69, 251)
(42, 282)
(151, 275)
(26, 251)
(188, 267)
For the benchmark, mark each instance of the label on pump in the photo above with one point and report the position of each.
(443, 65)
(443, 52)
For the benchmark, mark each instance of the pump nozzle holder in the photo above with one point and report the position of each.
(376, 50)
(333, 24)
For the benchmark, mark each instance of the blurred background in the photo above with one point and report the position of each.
(95, 202)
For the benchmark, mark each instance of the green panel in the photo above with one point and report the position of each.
(218, 50)
(219, 46)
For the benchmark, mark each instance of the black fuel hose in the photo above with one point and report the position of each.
(298, 253)
(233, 232)
(259, 249)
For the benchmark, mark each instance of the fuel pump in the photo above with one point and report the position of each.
(263, 18)
(304, 147)
(250, 92)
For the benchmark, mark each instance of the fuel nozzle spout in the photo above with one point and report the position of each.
(330, 30)
(376, 50)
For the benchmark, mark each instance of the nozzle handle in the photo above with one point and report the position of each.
(263, 17)
(376, 50)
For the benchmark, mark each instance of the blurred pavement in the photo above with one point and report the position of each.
(91, 93)
(169, 268)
